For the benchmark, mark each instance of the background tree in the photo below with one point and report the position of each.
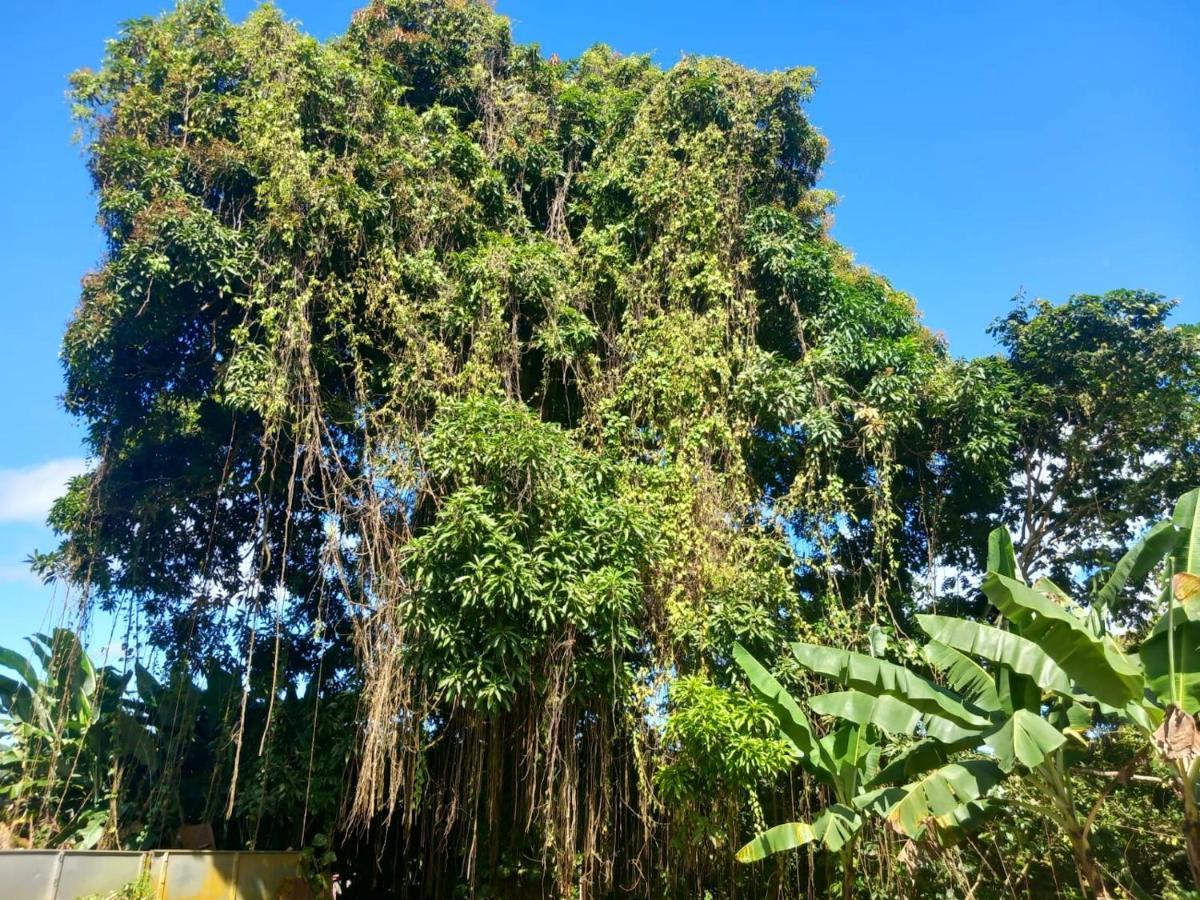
(1108, 405)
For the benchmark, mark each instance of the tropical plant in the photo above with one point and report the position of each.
(1107, 401)
(454, 408)
(846, 760)
(842, 761)
(1044, 682)
(1092, 678)
(468, 371)
(1170, 656)
(1030, 698)
(62, 729)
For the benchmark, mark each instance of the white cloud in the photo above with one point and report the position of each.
(26, 493)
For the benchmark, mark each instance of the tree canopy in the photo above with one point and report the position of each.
(504, 395)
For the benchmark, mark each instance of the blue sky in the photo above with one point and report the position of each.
(979, 150)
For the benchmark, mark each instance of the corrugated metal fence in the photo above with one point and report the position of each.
(173, 874)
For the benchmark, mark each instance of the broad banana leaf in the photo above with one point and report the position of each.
(11, 659)
(1156, 661)
(1186, 517)
(787, 836)
(850, 758)
(1026, 738)
(940, 792)
(1001, 647)
(1052, 591)
(964, 820)
(877, 676)
(886, 712)
(1137, 562)
(1017, 691)
(880, 801)
(792, 720)
(964, 674)
(1095, 663)
(148, 687)
(1001, 559)
(951, 733)
(1068, 715)
(836, 825)
(40, 642)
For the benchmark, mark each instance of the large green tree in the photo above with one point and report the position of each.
(1107, 395)
(501, 391)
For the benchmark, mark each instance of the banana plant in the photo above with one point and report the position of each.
(843, 761)
(847, 762)
(1056, 658)
(1170, 656)
(1018, 696)
(1164, 676)
(61, 719)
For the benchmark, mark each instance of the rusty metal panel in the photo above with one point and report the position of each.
(188, 875)
(85, 872)
(174, 874)
(262, 876)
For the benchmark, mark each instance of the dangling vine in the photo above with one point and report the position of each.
(500, 394)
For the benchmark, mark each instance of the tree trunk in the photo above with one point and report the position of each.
(1089, 873)
(1191, 828)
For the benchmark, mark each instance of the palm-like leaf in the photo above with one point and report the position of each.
(1138, 561)
(1001, 558)
(778, 839)
(942, 791)
(877, 676)
(1186, 518)
(1003, 648)
(792, 720)
(1025, 738)
(833, 828)
(889, 713)
(1095, 663)
(964, 674)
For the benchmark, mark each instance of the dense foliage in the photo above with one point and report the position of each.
(455, 411)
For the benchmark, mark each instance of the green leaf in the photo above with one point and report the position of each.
(1069, 715)
(833, 828)
(880, 801)
(889, 713)
(877, 638)
(1026, 738)
(787, 836)
(964, 674)
(1137, 562)
(1001, 647)
(1001, 559)
(942, 791)
(918, 758)
(1095, 663)
(11, 659)
(1186, 517)
(148, 686)
(792, 720)
(1155, 655)
(956, 824)
(836, 826)
(1017, 691)
(877, 676)
(8, 689)
(847, 754)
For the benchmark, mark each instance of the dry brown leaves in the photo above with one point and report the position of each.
(1178, 737)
